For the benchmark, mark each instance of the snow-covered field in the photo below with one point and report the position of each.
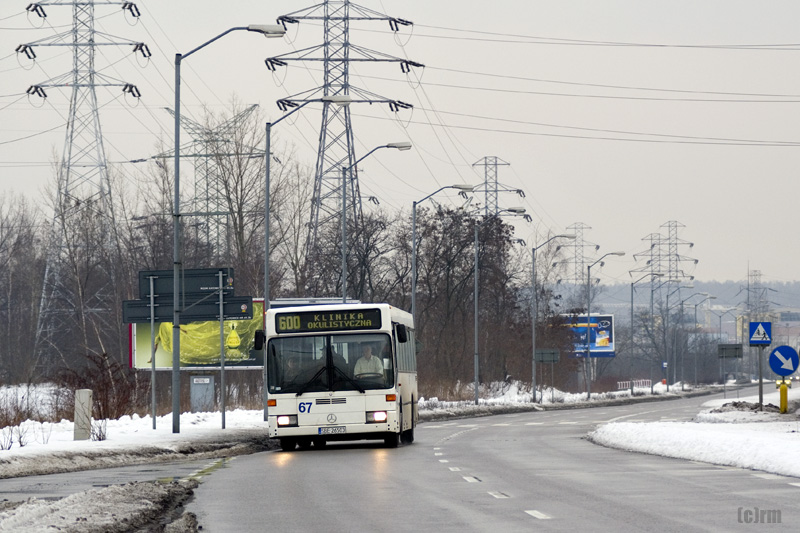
(762, 441)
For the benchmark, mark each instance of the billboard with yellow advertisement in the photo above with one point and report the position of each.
(199, 343)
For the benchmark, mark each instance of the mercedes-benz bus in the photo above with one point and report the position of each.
(340, 372)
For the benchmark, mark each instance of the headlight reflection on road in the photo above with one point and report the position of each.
(380, 458)
(283, 459)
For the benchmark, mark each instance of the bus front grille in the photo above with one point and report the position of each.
(331, 401)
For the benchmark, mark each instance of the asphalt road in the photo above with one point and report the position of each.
(505, 473)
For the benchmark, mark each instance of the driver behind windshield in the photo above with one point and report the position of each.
(368, 363)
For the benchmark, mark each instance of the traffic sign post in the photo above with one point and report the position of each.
(761, 336)
(760, 333)
(784, 360)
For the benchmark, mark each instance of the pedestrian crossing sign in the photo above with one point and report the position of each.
(760, 333)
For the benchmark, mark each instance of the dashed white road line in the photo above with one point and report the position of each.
(443, 461)
(767, 476)
(539, 515)
(498, 495)
(455, 469)
(471, 479)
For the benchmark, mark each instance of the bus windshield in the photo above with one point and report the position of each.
(319, 363)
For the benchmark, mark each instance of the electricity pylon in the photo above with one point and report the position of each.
(208, 148)
(72, 293)
(336, 148)
(491, 186)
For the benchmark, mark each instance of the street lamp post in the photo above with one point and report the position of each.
(463, 189)
(695, 327)
(682, 351)
(719, 341)
(338, 99)
(268, 31)
(649, 275)
(512, 211)
(402, 146)
(589, 321)
(666, 327)
(535, 309)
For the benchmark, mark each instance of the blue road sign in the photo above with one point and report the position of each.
(784, 360)
(760, 333)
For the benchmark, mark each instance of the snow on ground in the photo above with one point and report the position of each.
(762, 441)
(749, 439)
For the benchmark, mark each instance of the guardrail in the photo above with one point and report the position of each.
(641, 383)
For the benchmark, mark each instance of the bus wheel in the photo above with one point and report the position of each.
(304, 443)
(392, 440)
(408, 436)
(319, 443)
(288, 445)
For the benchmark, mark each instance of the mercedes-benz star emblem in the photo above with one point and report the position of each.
(331, 418)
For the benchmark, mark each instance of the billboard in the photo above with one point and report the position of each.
(600, 333)
(199, 343)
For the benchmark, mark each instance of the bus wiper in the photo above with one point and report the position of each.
(312, 380)
(349, 379)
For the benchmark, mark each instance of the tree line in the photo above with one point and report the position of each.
(103, 252)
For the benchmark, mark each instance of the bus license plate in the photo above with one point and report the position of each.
(332, 430)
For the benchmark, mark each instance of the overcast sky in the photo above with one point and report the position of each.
(621, 115)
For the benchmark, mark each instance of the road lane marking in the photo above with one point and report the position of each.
(468, 425)
(455, 469)
(443, 461)
(795, 484)
(767, 476)
(534, 423)
(566, 423)
(437, 454)
(539, 515)
(498, 495)
(496, 425)
(470, 479)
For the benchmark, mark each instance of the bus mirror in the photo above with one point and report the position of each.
(258, 340)
(402, 333)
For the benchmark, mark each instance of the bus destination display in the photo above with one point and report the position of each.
(327, 321)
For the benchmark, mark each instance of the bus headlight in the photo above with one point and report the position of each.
(374, 417)
(287, 420)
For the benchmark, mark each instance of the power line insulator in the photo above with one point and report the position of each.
(36, 8)
(132, 8)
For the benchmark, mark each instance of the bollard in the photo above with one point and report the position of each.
(83, 414)
(784, 398)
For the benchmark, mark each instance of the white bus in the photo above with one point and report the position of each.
(340, 372)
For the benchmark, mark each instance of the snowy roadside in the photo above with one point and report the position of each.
(736, 436)
(50, 448)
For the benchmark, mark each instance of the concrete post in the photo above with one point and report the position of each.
(83, 414)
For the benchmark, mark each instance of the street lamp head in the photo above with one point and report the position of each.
(402, 146)
(566, 236)
(516, 210)
(616, 253)
(463, 187)
(268, 30)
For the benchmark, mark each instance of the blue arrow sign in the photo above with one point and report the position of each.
(760, 333)
(784, 360)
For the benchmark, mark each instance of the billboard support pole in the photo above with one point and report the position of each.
(152, 352)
